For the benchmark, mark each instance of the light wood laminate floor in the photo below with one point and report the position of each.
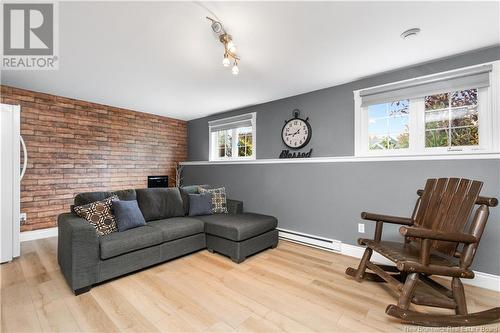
(292, 288)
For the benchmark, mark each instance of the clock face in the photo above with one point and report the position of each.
(296, 133)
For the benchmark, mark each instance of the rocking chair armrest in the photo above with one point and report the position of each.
(386, 218)
(437, 235)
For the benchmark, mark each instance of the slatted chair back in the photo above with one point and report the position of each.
(445, 205)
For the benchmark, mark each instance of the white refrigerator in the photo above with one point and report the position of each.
(10, 180)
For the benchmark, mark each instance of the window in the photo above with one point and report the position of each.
(232, 138)
(439, 114)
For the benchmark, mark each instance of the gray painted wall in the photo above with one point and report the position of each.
(330, 111)
(326, 199)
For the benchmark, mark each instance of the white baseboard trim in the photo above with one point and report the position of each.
(483, 280)
(38, 234)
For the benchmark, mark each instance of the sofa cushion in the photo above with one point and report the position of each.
(130, 240)
(127, 214)
(177, 227)
(160, 203)
(238, 227)
(88, 197)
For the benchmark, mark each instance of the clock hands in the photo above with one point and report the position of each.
(293, 134)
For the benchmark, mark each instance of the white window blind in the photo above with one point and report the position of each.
(244, 120)
(477, 77)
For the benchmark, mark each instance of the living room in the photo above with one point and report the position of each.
(250, 166)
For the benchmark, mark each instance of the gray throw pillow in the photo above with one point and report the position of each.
(127, 215)
(200, 204)
(186, 191)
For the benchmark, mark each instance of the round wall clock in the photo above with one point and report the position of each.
(296, 132)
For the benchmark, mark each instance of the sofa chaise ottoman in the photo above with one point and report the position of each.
(240, 235)
(86, 258)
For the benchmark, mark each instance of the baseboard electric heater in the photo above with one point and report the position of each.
(299, 237)
(157, 181)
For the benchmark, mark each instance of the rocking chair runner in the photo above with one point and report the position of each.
(432, 238)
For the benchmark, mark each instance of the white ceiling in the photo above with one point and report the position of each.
(161, 57)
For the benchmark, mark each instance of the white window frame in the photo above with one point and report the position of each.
(489, 125)
(212, 140)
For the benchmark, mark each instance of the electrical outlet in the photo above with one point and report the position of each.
(361, 228)
(22, 218)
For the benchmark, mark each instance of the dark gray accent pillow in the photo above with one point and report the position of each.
(160, 203)
(200, 204)
(186, 191)
(127, 215)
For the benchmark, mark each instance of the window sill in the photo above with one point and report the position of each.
(428, 152)
(358, 159)
(240, 159)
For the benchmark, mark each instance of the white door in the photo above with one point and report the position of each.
(10, 181)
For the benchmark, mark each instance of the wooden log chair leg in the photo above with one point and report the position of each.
(408, 291)
(360, 272)
(457, 289)
(362, 264)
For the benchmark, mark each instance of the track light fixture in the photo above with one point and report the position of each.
(226, 39)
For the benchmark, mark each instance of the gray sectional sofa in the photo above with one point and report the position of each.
(87, 259)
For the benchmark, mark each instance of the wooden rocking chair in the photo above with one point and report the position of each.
(432, 239)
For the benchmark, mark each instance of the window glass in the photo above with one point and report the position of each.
(451, 119)
(224, 143)
(245, 142)
(388, 125)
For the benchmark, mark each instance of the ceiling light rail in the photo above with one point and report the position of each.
(226, 40)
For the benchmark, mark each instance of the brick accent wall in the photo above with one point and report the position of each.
(76, 146)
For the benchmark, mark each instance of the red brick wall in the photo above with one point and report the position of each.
(76, 146)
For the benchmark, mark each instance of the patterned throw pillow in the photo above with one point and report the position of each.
(219, 204)
(99, 215)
